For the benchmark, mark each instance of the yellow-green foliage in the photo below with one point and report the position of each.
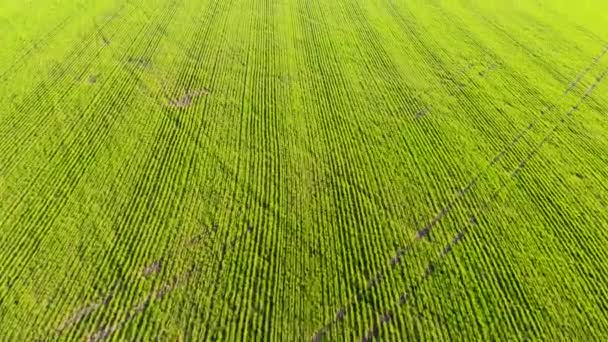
(297, 169)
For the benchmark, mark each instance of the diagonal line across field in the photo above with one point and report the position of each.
(405, 296)
(403, 251)
(287, 170)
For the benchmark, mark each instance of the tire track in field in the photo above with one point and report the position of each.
(196, 139)
(387, 66)
(204, 239)
(194, 241)
(376, 279)
(582, 74)
(434, 57)
(154, 181)
(537, 59)
(257, 194)
(443, 212)
(387, 316)
(446, 209)
(155, 159)
(177, 281)
(367, 33)
(369, 248)
(70, 285)
(171, 150)
(424, 232)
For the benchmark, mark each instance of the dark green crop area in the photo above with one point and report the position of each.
(298, 170)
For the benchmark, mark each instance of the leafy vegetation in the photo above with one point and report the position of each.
(296, 170)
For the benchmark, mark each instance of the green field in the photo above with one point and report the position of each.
(303, 170)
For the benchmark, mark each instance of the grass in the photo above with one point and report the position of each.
(296, 170)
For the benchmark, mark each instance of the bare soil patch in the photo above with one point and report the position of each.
(139, 61)
(188, 98)
(152, 268)
(82, 313)
(340, 315)
(421, 113)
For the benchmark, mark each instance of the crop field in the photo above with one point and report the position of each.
(303, 170)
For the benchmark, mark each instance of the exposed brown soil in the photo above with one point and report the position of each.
(387, 317)
(371, 334)
(77, 317)
(375, 280)
(103, 333)
(82, 313)
(403, 299)
(429, 270)
(188, 98)
(106, 331)
(197, 239)
(152, 268)
(105, 39)
(424, 232)
(318, 337)
(340, 315)
(473, 220)
(421, 113)
(139, 61)
(395, 260)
